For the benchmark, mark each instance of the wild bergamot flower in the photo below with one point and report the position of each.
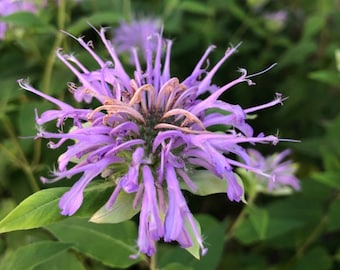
(279, 167)
(138, 34)
(151, 131)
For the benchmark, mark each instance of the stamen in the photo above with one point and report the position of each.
(174, 95)
(263, 71)
(137, 98)
(117, 108)
(189, 117)
(167, 88)
(183, 129)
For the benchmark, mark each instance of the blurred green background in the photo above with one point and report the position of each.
(299, 231)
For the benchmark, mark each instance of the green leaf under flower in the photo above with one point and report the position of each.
(195, 249)
(111, 244)
(121, 210)
(208, 183)
(41, 208)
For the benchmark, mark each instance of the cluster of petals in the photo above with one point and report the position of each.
(160, 128)
(136, 34)
(282, 170)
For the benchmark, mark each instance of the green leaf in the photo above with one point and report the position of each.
(242, 15)
(259, 218)
(121, 210)
(247, 233)
(7, 205)
(337, 60)
(9, 92)
(337, 254)
(329, 178)
(111, 244)
(315, 259)
(37, 210)
(176, 266)
(41, 208)
(195, 7)
(283, 216)
(26, 119)
(213, 232)
(206, 183)
(26, 122)
(333, 223)
(195, 249)
(326, 76)
(298, 54)
(27, 20)
(97, 19)
(64, 260)
(313, 25)
(30, 256)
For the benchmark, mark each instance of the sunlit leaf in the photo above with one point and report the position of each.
(37, 210)
(206, 183)
(121, 210)
(195, 249)
(41, 208)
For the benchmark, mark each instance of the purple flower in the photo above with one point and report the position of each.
(282, 172)
(151, 130)
(138, 35)
(275, 21)
(8, 7)
(278, 16)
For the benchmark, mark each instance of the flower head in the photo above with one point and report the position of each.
(156, 127)
(276, 21)
(281, 171)
(140, 34)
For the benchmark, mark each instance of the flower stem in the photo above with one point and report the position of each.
(312, 237)
(238, 221)
(57, 43)
(18, 158)
(127, 9)
(153, 262)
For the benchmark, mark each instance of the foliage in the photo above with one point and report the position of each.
(297, 231)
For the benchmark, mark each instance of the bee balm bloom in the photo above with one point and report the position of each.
(281, 170)
(137, 34)
(150, 130)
